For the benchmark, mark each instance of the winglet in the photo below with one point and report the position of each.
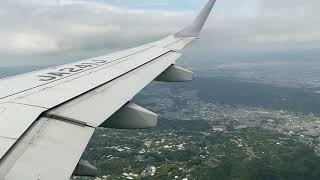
(194, 29)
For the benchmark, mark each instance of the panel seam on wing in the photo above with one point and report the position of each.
(28, 105)
(66, 119)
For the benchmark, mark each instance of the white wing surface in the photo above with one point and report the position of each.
(47, 117)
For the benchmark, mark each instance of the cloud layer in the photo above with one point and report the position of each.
(44, 27)
(42, 31)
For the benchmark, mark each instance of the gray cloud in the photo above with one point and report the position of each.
(270, 22)
(76, 25)
(38, 31)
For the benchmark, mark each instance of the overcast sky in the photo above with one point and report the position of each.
(49, 32)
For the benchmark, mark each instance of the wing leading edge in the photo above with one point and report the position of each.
(48, 117)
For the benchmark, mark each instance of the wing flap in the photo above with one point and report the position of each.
(6, 144)
(49, 150)
(15, 119)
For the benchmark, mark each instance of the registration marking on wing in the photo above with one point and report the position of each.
(21, 83)
(67, 71)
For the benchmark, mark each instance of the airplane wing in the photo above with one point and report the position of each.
(47, 117)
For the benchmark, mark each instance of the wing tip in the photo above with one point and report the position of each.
(195, 28)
